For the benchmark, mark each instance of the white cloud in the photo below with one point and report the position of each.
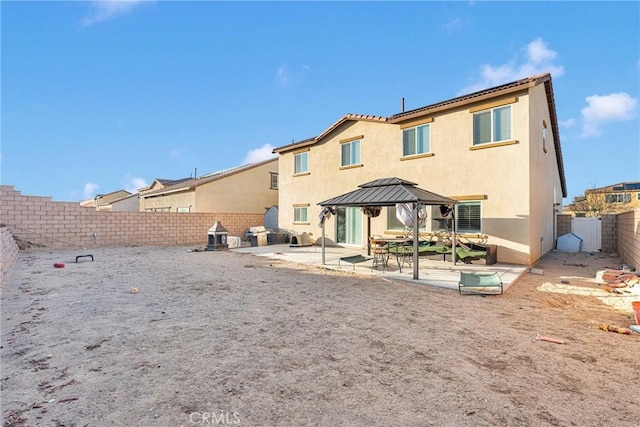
(259, 154)
(538, 60)
(133, 183)
(569, 123)
(602, 109)
(452, 25)
(105, 10)
(176, 153)
(285, 78)
(90, 190)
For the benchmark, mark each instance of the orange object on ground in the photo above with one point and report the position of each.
(636, 311)
(616, 329)
(548, 339)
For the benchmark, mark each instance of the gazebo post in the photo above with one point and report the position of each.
(416, 238)
(368, 235)
(323, 220)
(454, 254)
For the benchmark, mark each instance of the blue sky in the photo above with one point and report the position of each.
(102, 96)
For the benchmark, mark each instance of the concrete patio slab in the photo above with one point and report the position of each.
(432, 272)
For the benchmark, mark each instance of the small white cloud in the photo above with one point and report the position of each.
(176, 153)
(106, 10)
(538, 60)
(285, 78)
(259, 154)
(568, 124)
(538, 52)
(133, 183)
(602, 109)
(452, 25)
(90, 190)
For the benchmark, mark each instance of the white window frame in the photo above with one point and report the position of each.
(300, 214)
(273, 184)
(352, 153)
(298, 164)
(492, 115)
(414, 143)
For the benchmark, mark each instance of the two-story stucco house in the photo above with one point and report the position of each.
(616, 198)
(250, 188)
(497, 152)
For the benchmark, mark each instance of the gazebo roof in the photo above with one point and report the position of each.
(387, 192)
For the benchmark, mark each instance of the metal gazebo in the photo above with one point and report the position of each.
(389, 192)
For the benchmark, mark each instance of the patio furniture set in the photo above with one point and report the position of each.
(382, 249)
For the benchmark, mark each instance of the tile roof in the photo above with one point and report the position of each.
(452, 103)
(472, 97)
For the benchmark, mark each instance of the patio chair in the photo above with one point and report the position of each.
(380, 250)
(404, 254)
(481, 282)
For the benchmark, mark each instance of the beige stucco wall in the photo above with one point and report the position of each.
(244, 192)
(128, 204)
(546, 189)
(502, 175)
(173, 201)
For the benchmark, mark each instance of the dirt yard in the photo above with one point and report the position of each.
(214, 338)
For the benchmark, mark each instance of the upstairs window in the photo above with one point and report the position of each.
(274, 181)
(492, 125)
(301, 163)
(351, 153)
(416, 140)
(618, 198)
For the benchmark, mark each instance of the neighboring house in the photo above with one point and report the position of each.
(615, 198)
(126, 204)
(103, 202)
(159, 184)
(497, 152)
(251, 188)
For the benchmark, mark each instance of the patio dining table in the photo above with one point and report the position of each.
(402, 250)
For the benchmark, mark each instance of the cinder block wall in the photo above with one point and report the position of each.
(563, 225)
(609, 234)
(41, 221)
(628, 236)
(8, 252)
